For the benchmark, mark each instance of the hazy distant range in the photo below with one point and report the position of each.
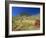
(29, 10)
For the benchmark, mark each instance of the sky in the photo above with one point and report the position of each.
(29, 10)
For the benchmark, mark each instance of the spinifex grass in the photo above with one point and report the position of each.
(20, 23)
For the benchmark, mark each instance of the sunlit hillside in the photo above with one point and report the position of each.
(21, 23)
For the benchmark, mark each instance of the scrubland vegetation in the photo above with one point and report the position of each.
(23, 23)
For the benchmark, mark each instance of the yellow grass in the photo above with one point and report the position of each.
(24, 23)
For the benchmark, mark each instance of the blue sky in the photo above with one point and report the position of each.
(29, 10)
